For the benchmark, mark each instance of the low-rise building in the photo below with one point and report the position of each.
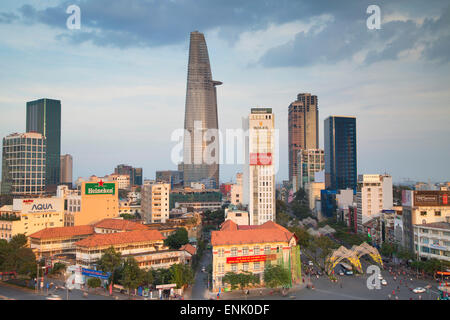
(249, 248)
(432, 240)
(117, 225)
(58, 241)
(239, 217)
(146, 246)
(422, 207)
(27, 216)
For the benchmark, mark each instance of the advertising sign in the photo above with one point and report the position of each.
(42, 205)
(431, 198)
(260, 159)
(407, 198)
(257, 258)
(99, 188)
(95, 274)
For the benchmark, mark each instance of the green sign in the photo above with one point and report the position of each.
(96, 188)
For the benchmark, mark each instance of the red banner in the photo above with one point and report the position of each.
(260, 159)
(245, 259)
(444, 199)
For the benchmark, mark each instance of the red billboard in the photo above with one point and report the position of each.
(245, 259)
(260, 159)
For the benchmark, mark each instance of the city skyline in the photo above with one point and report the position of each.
(256, 72)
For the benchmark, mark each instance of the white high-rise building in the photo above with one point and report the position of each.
(374, 194)
(155, 202)
(259, 170)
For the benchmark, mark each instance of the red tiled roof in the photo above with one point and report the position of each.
(231, 233)
(62, 232)
(189, 248)
(120, 224)
(98, 240)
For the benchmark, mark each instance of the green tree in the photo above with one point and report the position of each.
(18, 241)
(109, 262)
(94, 283)
(177, 239)
(304, 238)
(232, 279)
(276, 276)
(326, 246)
(132, 275)
(282, 218)
(123, 193)
(147, 278)
(181, 274)
(128, 216)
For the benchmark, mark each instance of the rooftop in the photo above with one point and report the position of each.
(231, 233)
(437, 225)
(120, 224)
(189, 248)
(62, 232)
(110, 239)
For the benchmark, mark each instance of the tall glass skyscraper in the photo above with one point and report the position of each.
(340, 153)
(200, 115)
(44, 117)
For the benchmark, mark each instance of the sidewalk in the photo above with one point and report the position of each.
(255, 293)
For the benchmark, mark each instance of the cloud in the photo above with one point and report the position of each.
(6, 17)
(341, 40)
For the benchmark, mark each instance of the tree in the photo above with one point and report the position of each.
(304, 238)
(147, 278)
(128, 216)
(281, 206)
(18, 241)
(94, 283)
(282, 218)
(123, 193)
(232, 279)
(326, 245)
(132, 275)
(177, 239)
(276, 276)
(110, 260)
(387, 249)
(181, 274)
(162, 276)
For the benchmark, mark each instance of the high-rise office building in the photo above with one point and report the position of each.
(135, 174)
(303, 126)
(259, 171)
(340, 153)
(23, 164)
(66, 169)
(310, 161)
(200, 116)
(44, 116)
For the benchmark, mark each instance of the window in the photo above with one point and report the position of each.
(267, 250)
(245, 266)
(245, 251)
(234, 267)
(233, 251)
(423, 213)
(437, 213)
(256, 266)
(256, 250)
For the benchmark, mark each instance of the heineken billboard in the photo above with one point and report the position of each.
(99, 188)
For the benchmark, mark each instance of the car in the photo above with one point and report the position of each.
(380, 277)
(349, 272)
(203, 269)
(341, 273)
(419, 290)
(310, 263)
(54, 297)
(384, 282)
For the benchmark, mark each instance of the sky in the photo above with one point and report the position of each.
(121, 77)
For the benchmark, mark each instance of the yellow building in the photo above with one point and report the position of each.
(146, 246)
(98, 201)
(58, 241)
(250, 248)
(28, 216)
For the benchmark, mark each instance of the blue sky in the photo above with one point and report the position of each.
(122, 77)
